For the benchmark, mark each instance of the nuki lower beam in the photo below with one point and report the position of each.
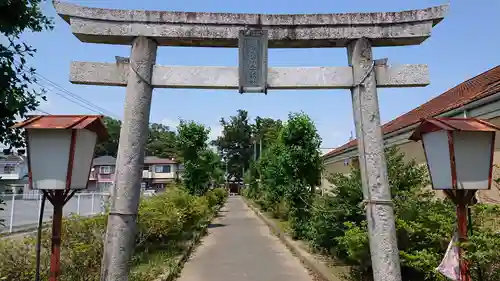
(280, 78)
(113, 26)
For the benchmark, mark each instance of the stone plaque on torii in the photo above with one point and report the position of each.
(146, 30)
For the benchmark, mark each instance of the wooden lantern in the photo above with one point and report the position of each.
(60, 149)
(459, 152)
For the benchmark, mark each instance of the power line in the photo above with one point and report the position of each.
(42, 111)
(68, 95)
(54, 91)
(75, 96)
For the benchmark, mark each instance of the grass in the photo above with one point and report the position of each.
(164, 260)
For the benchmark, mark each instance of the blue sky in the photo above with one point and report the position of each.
(463, 45)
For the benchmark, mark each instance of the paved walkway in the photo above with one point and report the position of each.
(240, 247)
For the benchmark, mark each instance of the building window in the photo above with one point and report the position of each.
(105, 186)
(162, 168)
(105, 170)
(9, 169)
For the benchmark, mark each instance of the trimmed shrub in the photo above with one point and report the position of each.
(221, 195)
(165, 222)
(337, 224)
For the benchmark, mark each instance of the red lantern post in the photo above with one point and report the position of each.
(459, 154)
(68, 142)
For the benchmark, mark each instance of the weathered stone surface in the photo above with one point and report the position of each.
(212, 77)
(112, 26)
(125, 194)
(376, 191)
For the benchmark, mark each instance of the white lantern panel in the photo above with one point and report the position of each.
(437, 152)
(49, 154)
(473, 159)
(84, 152)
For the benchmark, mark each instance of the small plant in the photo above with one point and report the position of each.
(165, 223)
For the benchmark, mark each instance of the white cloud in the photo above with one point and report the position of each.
(215, 131)
(171, 123)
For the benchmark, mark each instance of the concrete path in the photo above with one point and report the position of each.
(241, 247)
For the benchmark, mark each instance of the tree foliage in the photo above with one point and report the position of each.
(17, 96)
(266, 130)
(200, 163)
(289, 170)
(214, 165)
(273, 177)
(110, 146)
(335, 223)
(161, 140)
(425, 223)
(235, 145)
(302, 165)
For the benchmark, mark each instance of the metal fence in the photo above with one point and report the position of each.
(21, 211)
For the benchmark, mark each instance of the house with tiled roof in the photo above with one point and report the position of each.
(477, 97)
(159, 172)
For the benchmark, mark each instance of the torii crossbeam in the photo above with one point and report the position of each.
(146, 30)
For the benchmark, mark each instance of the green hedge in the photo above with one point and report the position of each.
(165, 223)
(336, 225)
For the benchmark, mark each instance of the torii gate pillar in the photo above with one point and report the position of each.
(376, 189)
(133, 137)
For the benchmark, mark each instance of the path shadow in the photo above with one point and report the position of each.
(220, 215)
(215, 225)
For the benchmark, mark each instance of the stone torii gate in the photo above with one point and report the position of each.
(146, 30)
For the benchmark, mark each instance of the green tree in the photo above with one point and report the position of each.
(17, 96)
(273, 176)
(266, 130)
(303, 166)
(424, 223)
(236, 144)
(289, 170)
(192, 145)
(214, 166)
(161, 141)
(110, 146)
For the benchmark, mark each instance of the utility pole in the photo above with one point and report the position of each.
(260, 147)
(227, 173)
(254, 150)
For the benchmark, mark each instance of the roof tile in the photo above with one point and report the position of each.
(478, 87)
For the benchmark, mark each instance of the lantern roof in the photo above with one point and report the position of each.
(452, 124)
(90, 122)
